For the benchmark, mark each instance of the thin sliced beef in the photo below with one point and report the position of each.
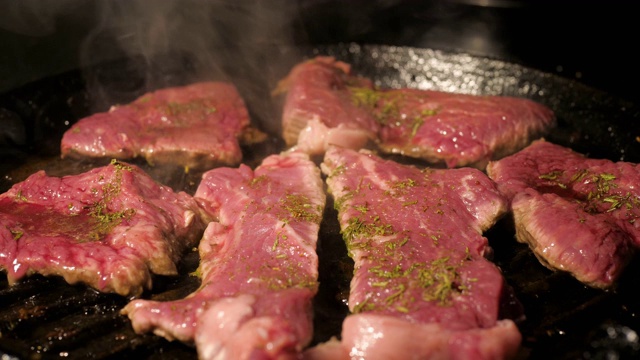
(381, 336)
(326, 105)
(422, 286)
(458, 129)
(195, 126)
(258, 266)
(319, 109)
(110, 228)
(577, 214)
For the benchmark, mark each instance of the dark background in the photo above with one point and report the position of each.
(591, 41)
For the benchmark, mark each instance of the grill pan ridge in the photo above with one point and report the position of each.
(46, 318)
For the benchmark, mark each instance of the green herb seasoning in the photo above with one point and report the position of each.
(177, 109)
(105, 220)
(440, 281)
(382, 104)
(17, 234)
(392, 108)
(299, 207)
(391, 246)
(144, 99)
(257, 181)
(437, 281)
(284, 269)
(178, 112)
(579, 175)
(197, 273)
(364, 97)
(339, 202)
(280, 235)
(389, 110)
(400, 187)
(292, 278)
(602, 194)
(553, 175)
(359, 229)
(436, 239)
(419, 120)
(362, 208)
(338, 170)
(364, 306)
(20, 197)
(416, 124)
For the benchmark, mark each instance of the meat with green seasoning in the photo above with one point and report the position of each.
(577, 214)
(319, 109)
(422, 287)
(457, 129)
(194, 126)
(258, 265)
(110, 228)
(328, 105)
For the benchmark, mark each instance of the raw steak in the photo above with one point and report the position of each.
(325, 105)
(110, 228)
(422, 287)
(258, 265)
(195, 126)
(458, 129)
(319, 109)
(577, 214)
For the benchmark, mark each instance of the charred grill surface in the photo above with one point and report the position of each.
(45, 318)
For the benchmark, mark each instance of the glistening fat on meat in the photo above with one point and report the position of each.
(195, 126)
(110, 228)
(577, 214)
(422, 287)
(327, 105)
(258, 266)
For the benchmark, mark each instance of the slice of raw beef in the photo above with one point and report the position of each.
(195, 126)
(458, 129)
(422, 287)
(258, 265)
(320, 110)
(110, 228)
(326, 105)
(577, 214)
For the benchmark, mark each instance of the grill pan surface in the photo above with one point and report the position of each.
(45, 318)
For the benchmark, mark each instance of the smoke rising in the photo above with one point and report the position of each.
(32, 17)
(173, 42)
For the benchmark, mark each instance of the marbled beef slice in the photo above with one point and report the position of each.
(258, 266)
(577, 214)
(422, 287)
(327, 105)
(195, 126)
(110, 228)
(319, 109)
(458, 129)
